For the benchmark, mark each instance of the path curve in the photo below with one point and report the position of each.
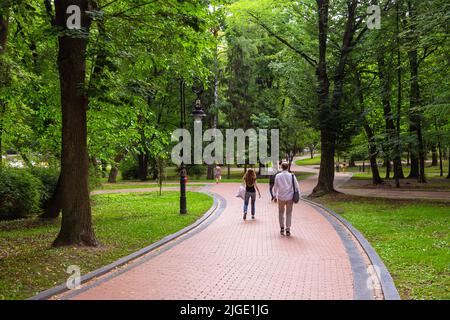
(342, 178)
(233, 259)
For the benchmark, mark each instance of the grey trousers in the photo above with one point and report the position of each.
(288, 205)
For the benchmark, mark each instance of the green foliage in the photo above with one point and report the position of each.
(129, 168)
(195, 171)
(20, 193)
(49, 179)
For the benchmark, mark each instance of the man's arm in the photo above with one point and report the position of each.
(275, 186)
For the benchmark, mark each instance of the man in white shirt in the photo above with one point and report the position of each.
(284, 191)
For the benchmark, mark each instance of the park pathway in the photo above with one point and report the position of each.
(390, 193)
(236, 259)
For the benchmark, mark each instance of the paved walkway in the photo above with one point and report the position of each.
(233, 259)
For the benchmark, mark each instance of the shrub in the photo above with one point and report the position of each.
(195, 170)
(49, 179)
(129, 168)
(95, 178)
(20, 193)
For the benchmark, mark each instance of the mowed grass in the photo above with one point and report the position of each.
(435, 181)
(124, 223)
(308, 162)
(431, 172)
(412, 238)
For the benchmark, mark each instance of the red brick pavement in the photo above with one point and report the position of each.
(233, 259)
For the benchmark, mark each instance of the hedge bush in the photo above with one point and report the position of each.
(49, 179)
(129, 168)
(20, 193)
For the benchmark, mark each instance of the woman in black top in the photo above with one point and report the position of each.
(251, 187)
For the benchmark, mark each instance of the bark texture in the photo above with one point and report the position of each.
(76, 224)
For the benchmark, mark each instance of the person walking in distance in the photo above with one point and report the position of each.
(251, 186)
(286, 186)
(218, 174)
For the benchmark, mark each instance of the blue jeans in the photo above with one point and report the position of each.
(249, 195)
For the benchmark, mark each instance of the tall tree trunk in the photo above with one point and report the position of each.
(328, 138)
(4, 21)
(113, 173)
(448, 176)
(115, 167)
(388, 168)
(434, 156)
(386, 90)
(210, 172)
(418, 161)
(373, 150)
(352, 163)
(441, 167)
(76, 224)
(143, 167)
(398, 167)
(413, 158)
(329, 110)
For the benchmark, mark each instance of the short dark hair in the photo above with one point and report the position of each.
(285, 166)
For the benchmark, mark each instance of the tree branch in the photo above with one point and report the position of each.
(308, 59)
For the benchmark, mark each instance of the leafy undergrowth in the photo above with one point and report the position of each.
(412, 238)
(124, 223)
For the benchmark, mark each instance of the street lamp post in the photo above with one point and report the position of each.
(198, 115)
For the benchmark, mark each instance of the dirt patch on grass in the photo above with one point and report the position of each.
(28, 223)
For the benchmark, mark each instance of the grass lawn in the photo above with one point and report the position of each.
(138, 185)
(308, 162)
(124, 223)
(412, 238)
(435, 182)
(431, 172)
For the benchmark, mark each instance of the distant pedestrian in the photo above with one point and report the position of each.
(286, 185)
(218, 174)
(251, 186)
